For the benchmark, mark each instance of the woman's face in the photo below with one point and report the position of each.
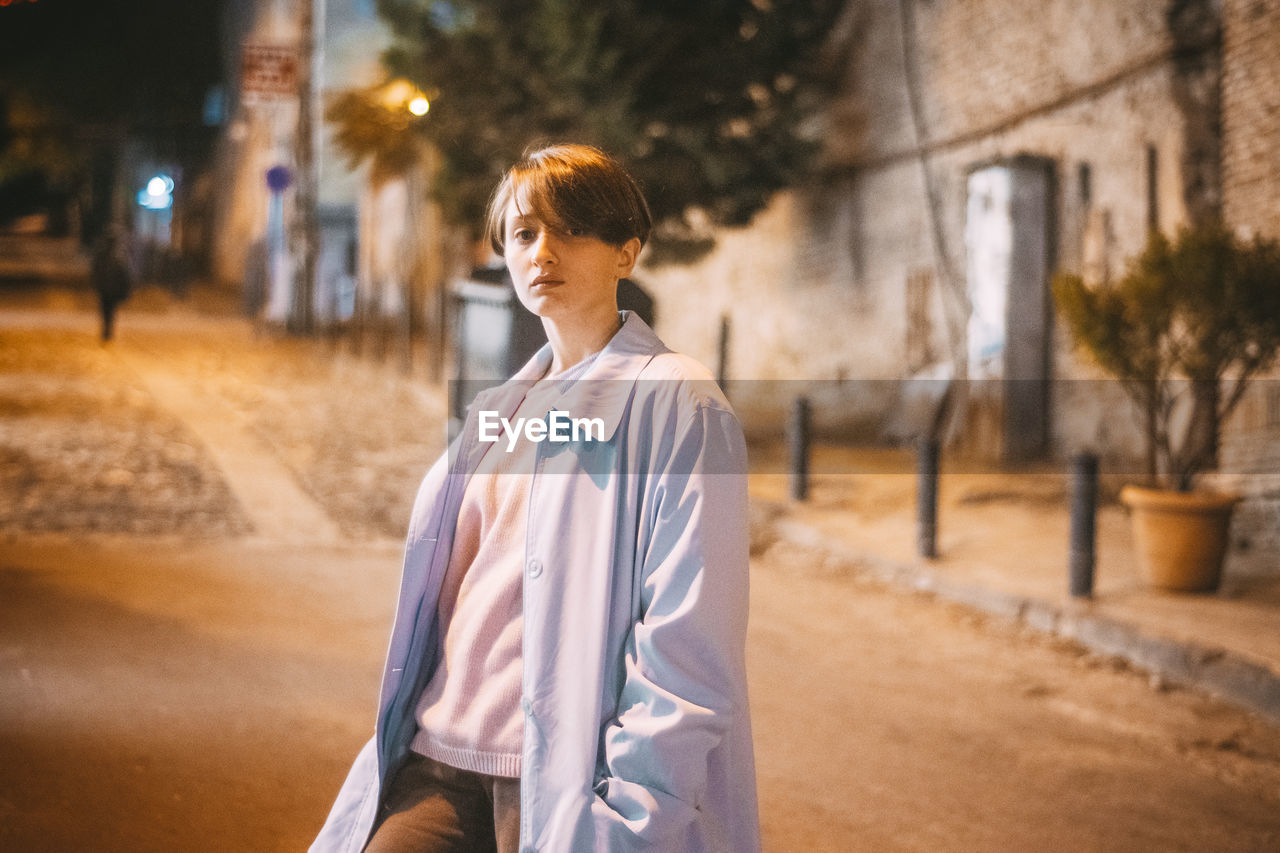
(560, 275)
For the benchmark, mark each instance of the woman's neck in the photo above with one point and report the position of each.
(574, 338)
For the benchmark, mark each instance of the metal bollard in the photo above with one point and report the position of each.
(1084, 511)
(798, 447)
(722, 354)
(927, 498)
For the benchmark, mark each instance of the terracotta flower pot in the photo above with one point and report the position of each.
(1181, 537)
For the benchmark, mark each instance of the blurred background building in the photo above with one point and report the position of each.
(968, 135)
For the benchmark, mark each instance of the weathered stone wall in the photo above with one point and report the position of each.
(1251, 115)
(1249, 464)
(818, 286)
(1250, 456)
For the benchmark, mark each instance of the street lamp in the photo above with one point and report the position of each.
(400, 94)
(158, 194)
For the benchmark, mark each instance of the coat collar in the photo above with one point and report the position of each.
(602, 392)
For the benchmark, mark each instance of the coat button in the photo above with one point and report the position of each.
(535, 567)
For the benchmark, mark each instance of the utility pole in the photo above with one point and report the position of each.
(306, 236)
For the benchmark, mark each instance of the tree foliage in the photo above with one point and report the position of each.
(369, 126)
(707, 102)
(1193, 319)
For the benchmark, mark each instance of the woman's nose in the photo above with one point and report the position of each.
(544, 250)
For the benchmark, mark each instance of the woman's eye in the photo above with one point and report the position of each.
(524, 235)
(577, 232)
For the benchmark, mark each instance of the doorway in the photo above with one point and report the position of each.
(1008, 237)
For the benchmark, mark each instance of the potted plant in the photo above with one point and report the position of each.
(1185, 329)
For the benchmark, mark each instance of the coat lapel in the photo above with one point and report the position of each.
(602, 392)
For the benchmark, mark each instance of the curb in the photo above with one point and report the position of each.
(1216, 671)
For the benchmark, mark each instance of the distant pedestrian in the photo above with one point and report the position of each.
(111, 275)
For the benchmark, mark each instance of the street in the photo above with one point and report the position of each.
(198, 557)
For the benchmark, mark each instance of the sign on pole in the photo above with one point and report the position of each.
(268, 72)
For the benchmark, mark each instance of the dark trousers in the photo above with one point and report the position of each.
(429, 807)
(107, 306)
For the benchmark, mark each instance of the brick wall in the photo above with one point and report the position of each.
(817, 287)
(1251, 114)
(984, 62)
(1250, 458)
(827, 284)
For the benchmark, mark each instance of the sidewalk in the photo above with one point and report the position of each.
(1003, 545)
(194, 423)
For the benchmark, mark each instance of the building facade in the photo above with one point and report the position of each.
(977, 148)
(379, 239)
(1250, 459)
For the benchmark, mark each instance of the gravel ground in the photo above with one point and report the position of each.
(84, 447)
(357, 435)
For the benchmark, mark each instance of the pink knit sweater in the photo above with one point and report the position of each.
(469, 714)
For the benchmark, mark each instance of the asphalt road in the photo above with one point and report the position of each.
(891, 721)
(170, 696)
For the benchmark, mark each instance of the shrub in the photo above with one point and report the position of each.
(1190, 323)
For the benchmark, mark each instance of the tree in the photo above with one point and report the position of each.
(710, 103)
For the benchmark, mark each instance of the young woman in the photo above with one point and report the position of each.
(566, 666)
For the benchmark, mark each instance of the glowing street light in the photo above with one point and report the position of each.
(159, 193)
(400, 94)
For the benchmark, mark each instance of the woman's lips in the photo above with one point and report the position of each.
(546, 281)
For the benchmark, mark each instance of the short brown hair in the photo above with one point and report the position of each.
(572, 187)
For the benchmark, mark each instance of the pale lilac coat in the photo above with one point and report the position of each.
(636, 731)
